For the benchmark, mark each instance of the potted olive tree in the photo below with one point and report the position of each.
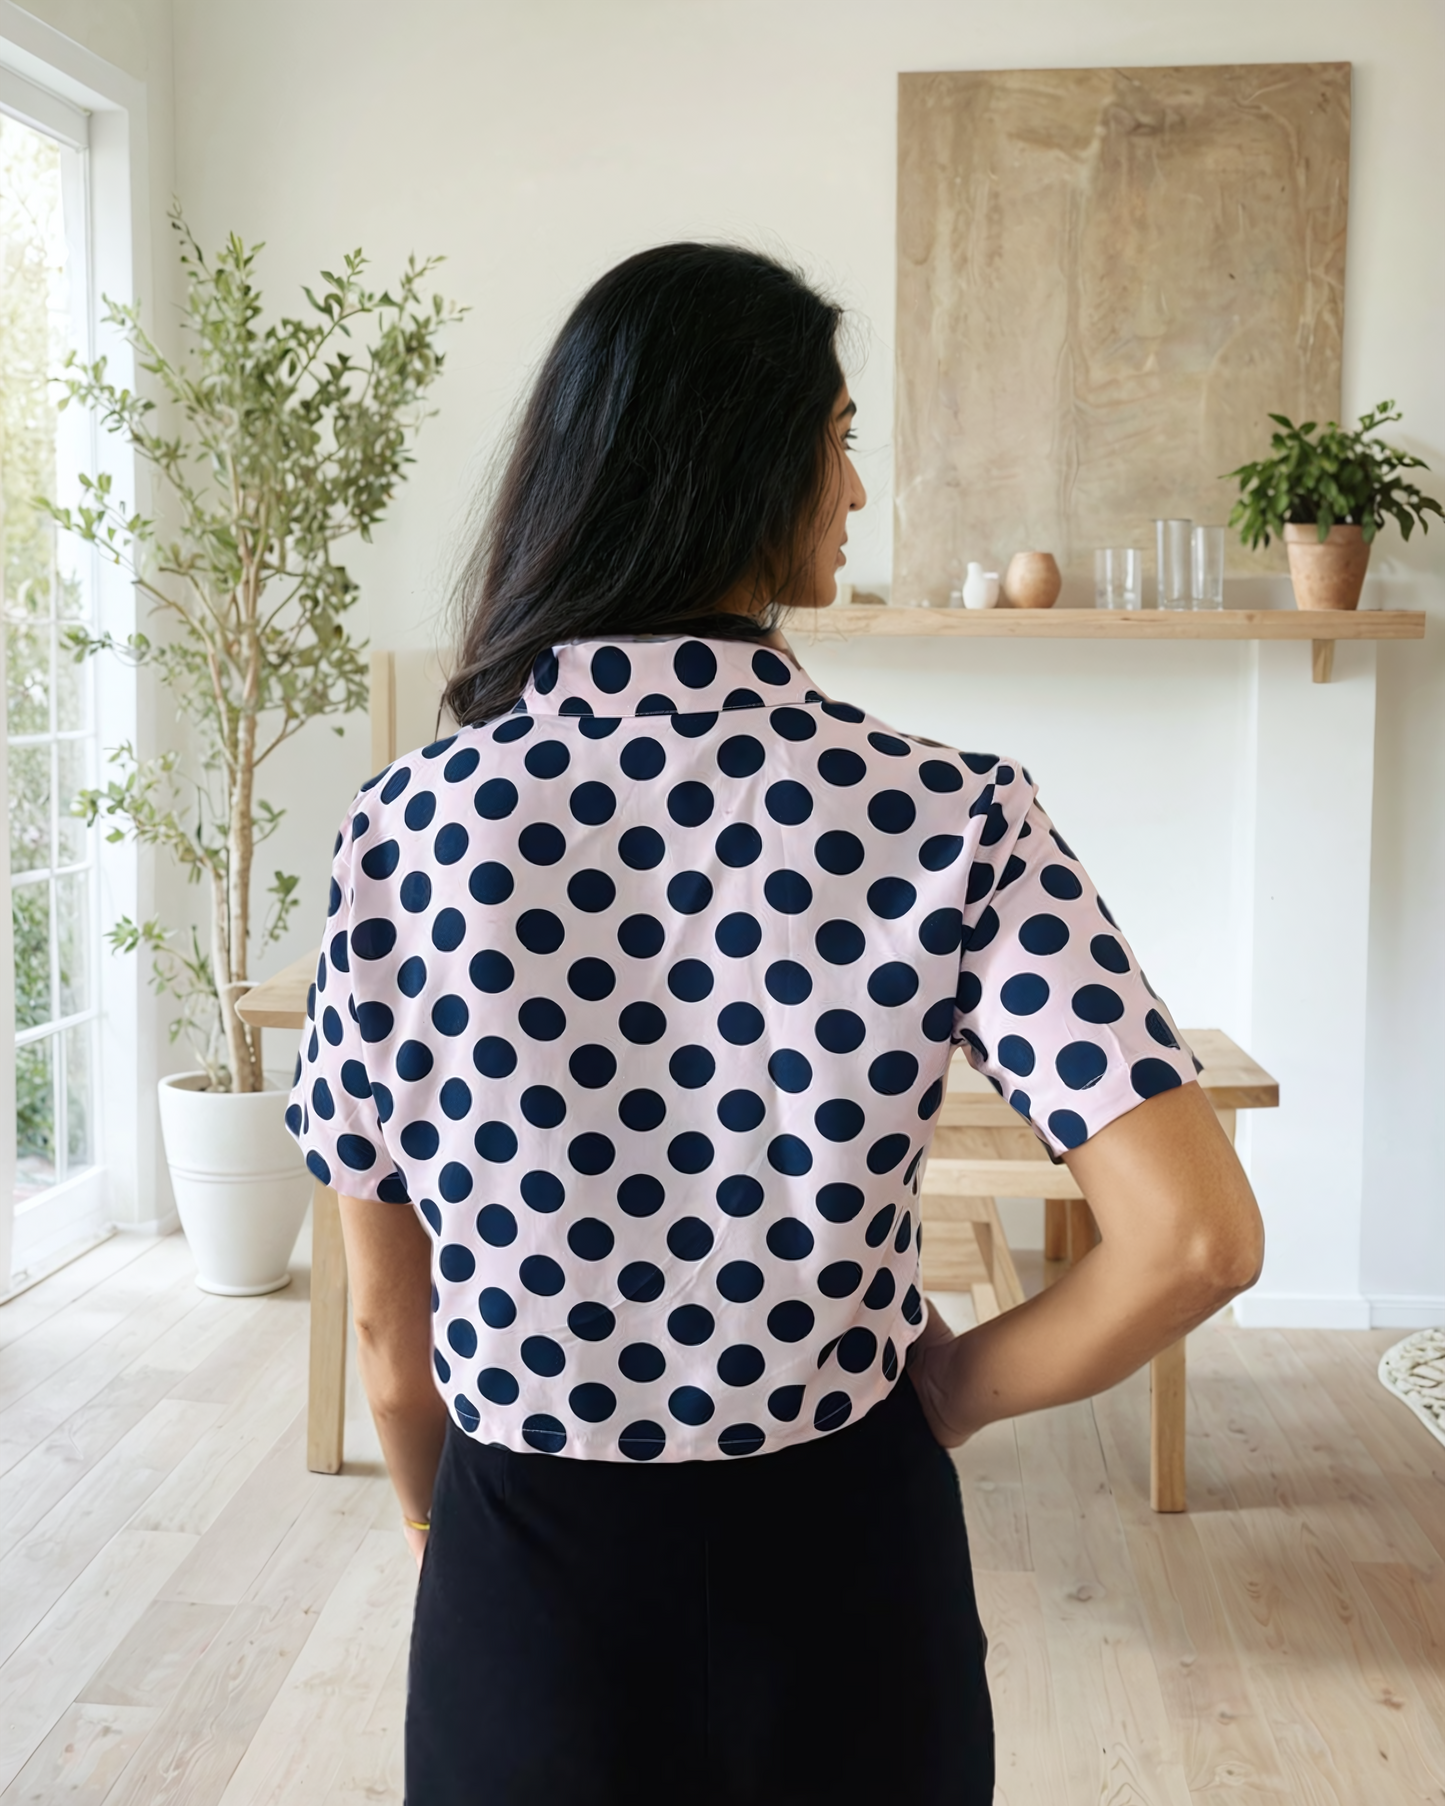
(279, 441)
(1326, 492)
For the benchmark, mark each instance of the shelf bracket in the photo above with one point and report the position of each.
(1322, 660)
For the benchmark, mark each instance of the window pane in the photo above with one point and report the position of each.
(45, 582)
(72, 905)
(78, 1113)
(73, 769)
(27, 678)
(29, 808)
(34, 1117)
(70, 599)
(30, 920)
(72, 692)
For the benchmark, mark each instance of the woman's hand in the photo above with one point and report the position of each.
(927, 1368)
(415, 1539)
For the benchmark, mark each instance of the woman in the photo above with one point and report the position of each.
(631, 1028)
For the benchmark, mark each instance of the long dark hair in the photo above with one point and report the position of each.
(676, 445)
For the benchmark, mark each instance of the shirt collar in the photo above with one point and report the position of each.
(662, 674)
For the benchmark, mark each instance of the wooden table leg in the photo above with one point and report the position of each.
(1056, 1228)
(326, 1394)
(1083, 1231)
(1166, 1429)
(1167, 1402)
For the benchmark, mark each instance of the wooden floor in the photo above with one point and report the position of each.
(187, 1616)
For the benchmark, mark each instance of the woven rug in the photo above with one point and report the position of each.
(1414, 1370)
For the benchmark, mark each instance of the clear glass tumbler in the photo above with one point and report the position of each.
(1119, 577)
(1172, 545)
(1207, 567)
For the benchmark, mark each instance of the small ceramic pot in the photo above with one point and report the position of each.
(980, 587)
(1032, 580)
(1328, 573)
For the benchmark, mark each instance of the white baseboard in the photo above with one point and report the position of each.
(1402, 1311)
(1289, 1310)
(1296, 1310)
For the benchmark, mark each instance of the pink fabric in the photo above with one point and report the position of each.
(644, 995)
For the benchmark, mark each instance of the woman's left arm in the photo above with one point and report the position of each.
(388, 1259)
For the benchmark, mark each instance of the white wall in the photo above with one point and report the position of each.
(537, 141)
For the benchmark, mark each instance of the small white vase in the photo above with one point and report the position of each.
(980, 588)
(240, 1186)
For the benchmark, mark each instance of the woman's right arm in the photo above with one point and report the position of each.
(1181, 1236)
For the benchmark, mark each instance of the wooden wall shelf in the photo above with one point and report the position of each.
(1322, 629)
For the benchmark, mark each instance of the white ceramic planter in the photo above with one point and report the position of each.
(239, 1183)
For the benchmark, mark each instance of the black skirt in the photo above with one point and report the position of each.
(790, 1629)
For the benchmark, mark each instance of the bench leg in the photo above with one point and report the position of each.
(1166, 1429)
(1056, 1228)
(326, 1392)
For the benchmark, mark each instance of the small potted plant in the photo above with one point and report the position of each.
(1326, 493)
(282, 439)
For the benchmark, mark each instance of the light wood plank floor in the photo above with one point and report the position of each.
(187, 1616)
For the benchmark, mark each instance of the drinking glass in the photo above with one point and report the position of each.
(1119, 577)
(1172, 554)
(1207, 567)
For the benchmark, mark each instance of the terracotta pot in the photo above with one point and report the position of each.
(1032, 580)
(1328, 575)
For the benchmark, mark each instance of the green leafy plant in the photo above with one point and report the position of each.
(290, 437)
(1327, 476)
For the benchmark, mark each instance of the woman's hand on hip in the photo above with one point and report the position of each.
(927, 1369)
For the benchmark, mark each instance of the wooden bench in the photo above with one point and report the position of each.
(981, 1152)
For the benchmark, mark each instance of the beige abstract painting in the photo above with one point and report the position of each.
(1107, 278)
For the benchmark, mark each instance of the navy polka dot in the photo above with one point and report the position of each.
(498, 1386)
(1097, 1003)
(543, 1432)
(1068, 1127)
(832, 1411)
(542, 1191)
(641, 1363)
(1058, 881)
(496, 799)
(543, 1356)
(1043, 934)
(740, 1281)
(791, 1321)
(838, 852)
(591, 1322)
(1025, 994)
(496, 1225)
(690, 1324)
(592, 1401)
(1149, 1077)
(498, 1310)
(1081, 1064)
(786, 1402)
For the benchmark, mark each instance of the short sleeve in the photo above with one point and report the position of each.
(335, 1110)
(1052, 1005)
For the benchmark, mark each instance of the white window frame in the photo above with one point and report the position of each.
(59, 87)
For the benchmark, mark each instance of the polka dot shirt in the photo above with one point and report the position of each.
(643, 997)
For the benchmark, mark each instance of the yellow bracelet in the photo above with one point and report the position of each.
(412, 1524)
